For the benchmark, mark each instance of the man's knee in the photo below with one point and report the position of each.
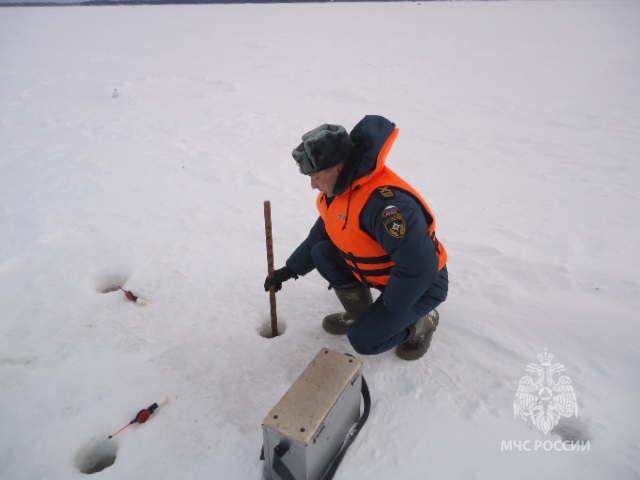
(366, 340)
(379, 330)
(361, 343)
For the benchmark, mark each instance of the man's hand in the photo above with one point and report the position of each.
(279, 276)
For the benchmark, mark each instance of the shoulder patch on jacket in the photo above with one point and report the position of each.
(386, 192)
(393, 222)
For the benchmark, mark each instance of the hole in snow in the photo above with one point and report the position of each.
(267, 332)
(109, 282)
(572, 430)
(98, 454)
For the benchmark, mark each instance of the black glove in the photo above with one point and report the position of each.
(281, 275)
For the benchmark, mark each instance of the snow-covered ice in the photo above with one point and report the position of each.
(520, 123)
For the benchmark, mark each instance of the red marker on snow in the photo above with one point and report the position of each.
(141, 417)
(130, 296)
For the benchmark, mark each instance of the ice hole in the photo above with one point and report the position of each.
(106, 283)
(572, 430)
(98, 454)
(266, 330)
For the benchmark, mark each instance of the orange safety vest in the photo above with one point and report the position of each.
(367, 259)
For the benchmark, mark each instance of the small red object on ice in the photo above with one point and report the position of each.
(128, 294)
(141, 417)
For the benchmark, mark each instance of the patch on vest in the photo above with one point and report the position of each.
(386, 192)
(393, 222)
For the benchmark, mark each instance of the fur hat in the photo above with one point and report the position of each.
(323, 147)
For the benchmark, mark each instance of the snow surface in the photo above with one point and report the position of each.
(520, 123)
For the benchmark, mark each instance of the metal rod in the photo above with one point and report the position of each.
(272, 291)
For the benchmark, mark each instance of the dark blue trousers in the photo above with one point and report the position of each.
(378, 329)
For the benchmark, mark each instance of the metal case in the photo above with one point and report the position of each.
(304, 431)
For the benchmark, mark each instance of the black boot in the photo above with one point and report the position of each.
(418, 344)
(355, 301)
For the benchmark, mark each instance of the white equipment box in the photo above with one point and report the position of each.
(303, 433)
